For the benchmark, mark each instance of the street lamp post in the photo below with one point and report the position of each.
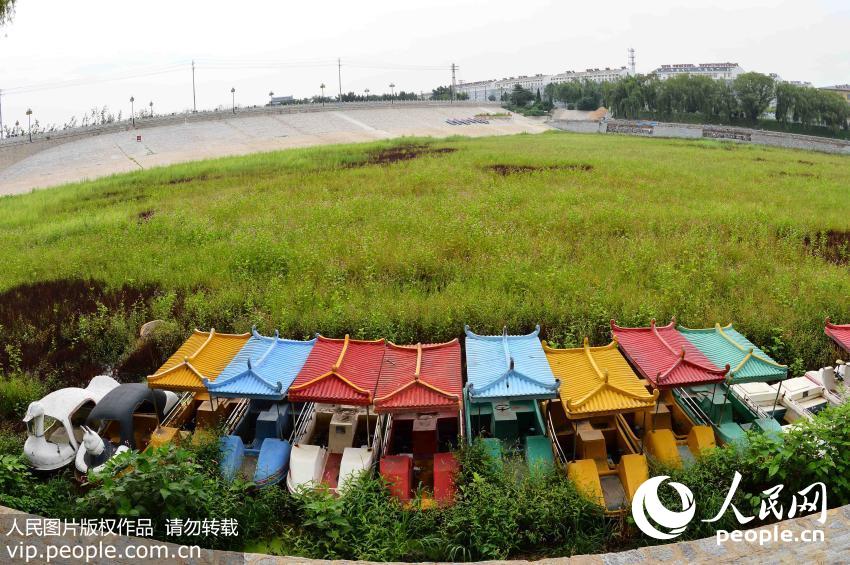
(133, 110)
(271, 95)
(151, 105)
(233, 92)
(367, 94)
(322, 86)
(29, 122)
(392, 93)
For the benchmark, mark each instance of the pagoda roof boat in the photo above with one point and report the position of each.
(602, 455)
(201, 358)
(729, 409)
(840, 334)
(335, 436)
(262, 373)
(54, 423)
(507, 377)
(667, 362)
(420, 390)
(124, 419)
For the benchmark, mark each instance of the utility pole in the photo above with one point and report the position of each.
(132, 110)
(233, 93)
(29, 123)
(452, 92)
(322, 86)
(392, 93)
(339, 71)
(194, 100)
(1, 113)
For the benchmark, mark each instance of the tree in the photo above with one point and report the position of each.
(521, 96)
(754, 92)
(7, 10)
(785, 101)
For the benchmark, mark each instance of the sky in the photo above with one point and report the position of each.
(61, 57)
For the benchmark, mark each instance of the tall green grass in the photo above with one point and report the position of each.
(307, 240)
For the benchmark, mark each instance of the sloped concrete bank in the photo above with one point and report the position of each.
(692, 131)
(834, 549)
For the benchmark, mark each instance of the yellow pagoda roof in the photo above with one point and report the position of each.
(203, 356)
(597, 380)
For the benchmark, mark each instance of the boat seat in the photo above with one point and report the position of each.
(354, 461)
(586, 477)
(272, 461)
(538, 452)
(397, 470)
(493, 447)
(661, 419)
(232, 451)
(445, 469)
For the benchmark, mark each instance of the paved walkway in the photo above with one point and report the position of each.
(834, 549)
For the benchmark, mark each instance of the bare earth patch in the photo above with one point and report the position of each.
(506, 170)
(832, 246)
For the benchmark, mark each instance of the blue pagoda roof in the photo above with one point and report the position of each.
(508, 366)
(264, 368)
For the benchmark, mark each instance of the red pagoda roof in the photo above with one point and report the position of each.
(420, 377)
(339, 371)
(839, 333)
(666, 358)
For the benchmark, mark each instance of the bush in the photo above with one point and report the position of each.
(16, 392)
(21, 490)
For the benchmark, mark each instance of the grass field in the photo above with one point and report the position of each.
(410, 243)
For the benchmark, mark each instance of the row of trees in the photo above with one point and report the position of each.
(746, 98)
(810, 106)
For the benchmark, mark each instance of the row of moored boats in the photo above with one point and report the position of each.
(323, 411)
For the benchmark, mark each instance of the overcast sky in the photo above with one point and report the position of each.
(291, 47)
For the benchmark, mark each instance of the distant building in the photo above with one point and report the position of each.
(717, 71)
(842, 89)
(484, 89)
(280, 100)
(595, 75)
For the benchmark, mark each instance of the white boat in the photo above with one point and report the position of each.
(54, 423)
(832, 380)
(332, 444)
(787, 401)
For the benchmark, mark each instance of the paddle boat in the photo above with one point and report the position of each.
(831, 380)
(204, 355)
(261, 372)
(588, 435)
(507, 377)
(54, 423)
(667, 362)
(336, 436)
(420, 393)
(788, 401)
(730, 410)
(125, 418)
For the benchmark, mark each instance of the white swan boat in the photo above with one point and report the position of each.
(54, 423)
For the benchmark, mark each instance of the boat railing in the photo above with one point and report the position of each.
(184, 403)
(388, 421)
(236, 416)
(553, 437)
(693, 407)
(746, 401)
(308, 412)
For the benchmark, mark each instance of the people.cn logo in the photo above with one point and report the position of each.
(646, 502)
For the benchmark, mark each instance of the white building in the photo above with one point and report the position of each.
(594, 75)
(484, 89)
(717, 71)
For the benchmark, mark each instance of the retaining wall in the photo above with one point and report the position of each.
(15, 149)
(693, 131)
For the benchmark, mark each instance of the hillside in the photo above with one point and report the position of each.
(412, 239)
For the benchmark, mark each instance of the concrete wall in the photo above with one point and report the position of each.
(692, 131)
(15, 149)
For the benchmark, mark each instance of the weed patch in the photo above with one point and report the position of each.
(507, 170)
(832, 246)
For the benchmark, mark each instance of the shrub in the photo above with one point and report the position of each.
(16, 392)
